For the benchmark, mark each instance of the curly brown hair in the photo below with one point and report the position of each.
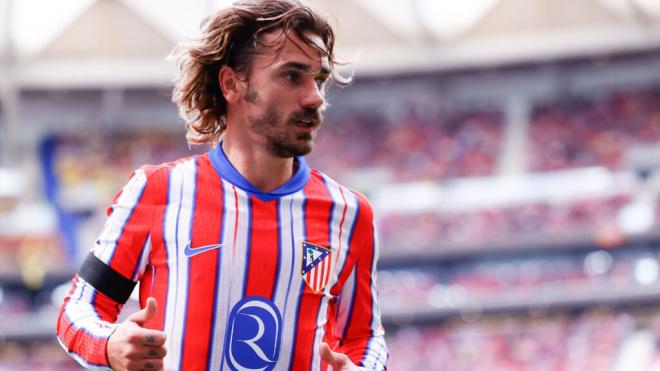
(231, 37)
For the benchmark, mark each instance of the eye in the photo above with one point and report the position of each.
(292, 76)
(320, 81)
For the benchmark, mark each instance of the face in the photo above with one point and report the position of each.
(284, 96)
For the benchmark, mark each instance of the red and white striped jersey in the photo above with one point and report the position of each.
(245, 280)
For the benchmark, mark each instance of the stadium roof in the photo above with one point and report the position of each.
(119, 42)
(522, 30)
(109, 29)
(518, 16)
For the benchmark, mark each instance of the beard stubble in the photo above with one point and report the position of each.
(274, 129)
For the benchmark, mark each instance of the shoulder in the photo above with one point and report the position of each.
(150, 184)
(159, 171)
(347, 195)
(154, 179)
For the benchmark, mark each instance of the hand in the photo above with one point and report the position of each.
(338, 361)
(132, 347)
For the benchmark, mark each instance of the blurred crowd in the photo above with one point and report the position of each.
(517, 280)
(463, 143)
(594, 340)
(597, 217)
(578, 131)
(40, 355)
(91, 166)
(568, 133)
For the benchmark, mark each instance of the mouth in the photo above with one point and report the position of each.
(307, 119)
(309, 124)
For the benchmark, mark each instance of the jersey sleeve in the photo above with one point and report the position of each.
(359, 329)
(108, 274)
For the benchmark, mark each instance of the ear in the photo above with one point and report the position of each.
(230, 83)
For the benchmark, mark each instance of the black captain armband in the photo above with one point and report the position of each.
(105, 279)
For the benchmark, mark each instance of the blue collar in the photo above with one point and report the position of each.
(228, 172)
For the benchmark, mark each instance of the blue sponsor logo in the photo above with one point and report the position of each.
(254, 335)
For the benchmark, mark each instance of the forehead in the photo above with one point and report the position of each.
(290, 48)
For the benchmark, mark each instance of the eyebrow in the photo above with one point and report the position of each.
(324, 71)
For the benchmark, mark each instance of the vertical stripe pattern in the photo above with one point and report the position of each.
(317, 231)
(293, 232)
(123, 216)
(178, 222)
(202, 267)
(226, 276)
(200, 244)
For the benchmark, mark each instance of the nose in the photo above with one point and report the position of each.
(313, 96)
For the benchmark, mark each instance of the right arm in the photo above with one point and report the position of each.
(105, 280)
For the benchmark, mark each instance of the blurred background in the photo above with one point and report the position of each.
(511, 150)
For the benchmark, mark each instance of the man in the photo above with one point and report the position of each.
(246, 258)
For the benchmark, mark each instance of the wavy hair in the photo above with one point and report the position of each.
(231, 37)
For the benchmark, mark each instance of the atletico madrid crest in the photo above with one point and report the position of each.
(317, 266)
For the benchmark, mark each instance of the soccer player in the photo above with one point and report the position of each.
(247, 259)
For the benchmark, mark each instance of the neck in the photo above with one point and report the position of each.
(263, 170)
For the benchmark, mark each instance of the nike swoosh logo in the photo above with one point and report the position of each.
(189, 251)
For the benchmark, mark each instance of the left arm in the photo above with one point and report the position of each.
(359, 331)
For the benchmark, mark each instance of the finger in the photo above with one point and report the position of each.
(152, 365)
(150, 337)
(328, 355)
(146, 313)
(155, 353)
